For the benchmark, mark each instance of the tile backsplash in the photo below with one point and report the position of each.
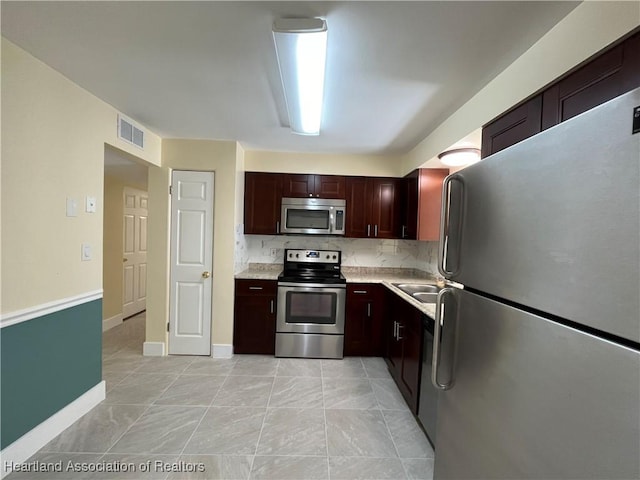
(356, 252)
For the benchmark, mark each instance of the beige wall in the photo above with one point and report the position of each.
(587, 29)
(220, 157)
(53, 137)
(370, 165)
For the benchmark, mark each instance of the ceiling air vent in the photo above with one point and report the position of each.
(128, 132)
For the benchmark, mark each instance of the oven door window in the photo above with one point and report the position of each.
(315, 219)
(311, 307)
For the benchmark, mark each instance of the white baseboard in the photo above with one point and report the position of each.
(221, 351)
(109, 323)
(36, 438)
(153, 349)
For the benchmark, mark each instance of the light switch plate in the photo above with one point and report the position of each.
(86, 252)
(72, 207)
(90, 206)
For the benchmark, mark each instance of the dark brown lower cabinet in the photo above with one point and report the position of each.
(254, 324)
(364, 319)
(403, 330)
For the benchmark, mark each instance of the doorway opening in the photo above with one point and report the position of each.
(125, 204)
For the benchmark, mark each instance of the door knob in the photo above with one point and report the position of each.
(206, 274)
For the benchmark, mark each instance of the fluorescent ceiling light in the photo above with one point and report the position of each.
(459, 157)
(301, 47)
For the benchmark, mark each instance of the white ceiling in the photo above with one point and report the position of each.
(395, 70)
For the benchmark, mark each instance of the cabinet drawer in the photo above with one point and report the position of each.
(256, 287)
(360, 289)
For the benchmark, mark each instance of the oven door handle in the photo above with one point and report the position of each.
(293, 286)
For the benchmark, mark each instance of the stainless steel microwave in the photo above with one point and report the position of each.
(314, 216)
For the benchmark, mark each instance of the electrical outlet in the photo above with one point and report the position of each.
(274, 252)
(90, 204)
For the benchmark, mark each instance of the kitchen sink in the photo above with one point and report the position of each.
(425, 293)
(426, 297)
(412, 288)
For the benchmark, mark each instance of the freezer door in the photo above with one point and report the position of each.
(531, 398)
(553, 222)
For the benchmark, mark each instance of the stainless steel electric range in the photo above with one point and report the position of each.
(311, 305)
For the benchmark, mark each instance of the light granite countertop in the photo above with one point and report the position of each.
(385, 276)
(260, 271)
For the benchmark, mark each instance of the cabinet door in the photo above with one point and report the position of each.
(329, 186)
(520, 123)
(612, 73)
(255, 317)
(430, 203)
(298, 186)
(393, 345)
(385, 207)
(411, 337)
(364, 317)
(409, 228)
(358, 207)
(263, 194)
(254, 329)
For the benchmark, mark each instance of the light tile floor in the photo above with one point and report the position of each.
(249, 417)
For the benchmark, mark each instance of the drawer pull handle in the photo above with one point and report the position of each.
(255, 288)
(359, 291)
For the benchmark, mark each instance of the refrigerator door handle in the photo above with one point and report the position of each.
(445, 226)
(437, 341)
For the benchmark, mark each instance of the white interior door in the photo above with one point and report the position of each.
(134, 257)
(191, 263)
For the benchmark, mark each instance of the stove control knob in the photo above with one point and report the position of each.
(297, 255)
(327, 256)
(334, 257)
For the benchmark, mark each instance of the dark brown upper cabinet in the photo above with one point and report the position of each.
(262, 199)
(512, 127)
(373, 207)
(422, 204)
(612, 72)
(318, 186)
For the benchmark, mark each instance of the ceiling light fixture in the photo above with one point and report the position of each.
(301, 48)
(458, 157)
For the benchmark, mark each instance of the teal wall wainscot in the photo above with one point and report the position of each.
(46, 363)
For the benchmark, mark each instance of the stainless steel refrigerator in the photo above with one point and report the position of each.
(538, 355)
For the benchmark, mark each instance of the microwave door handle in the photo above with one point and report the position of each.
(331, 220)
